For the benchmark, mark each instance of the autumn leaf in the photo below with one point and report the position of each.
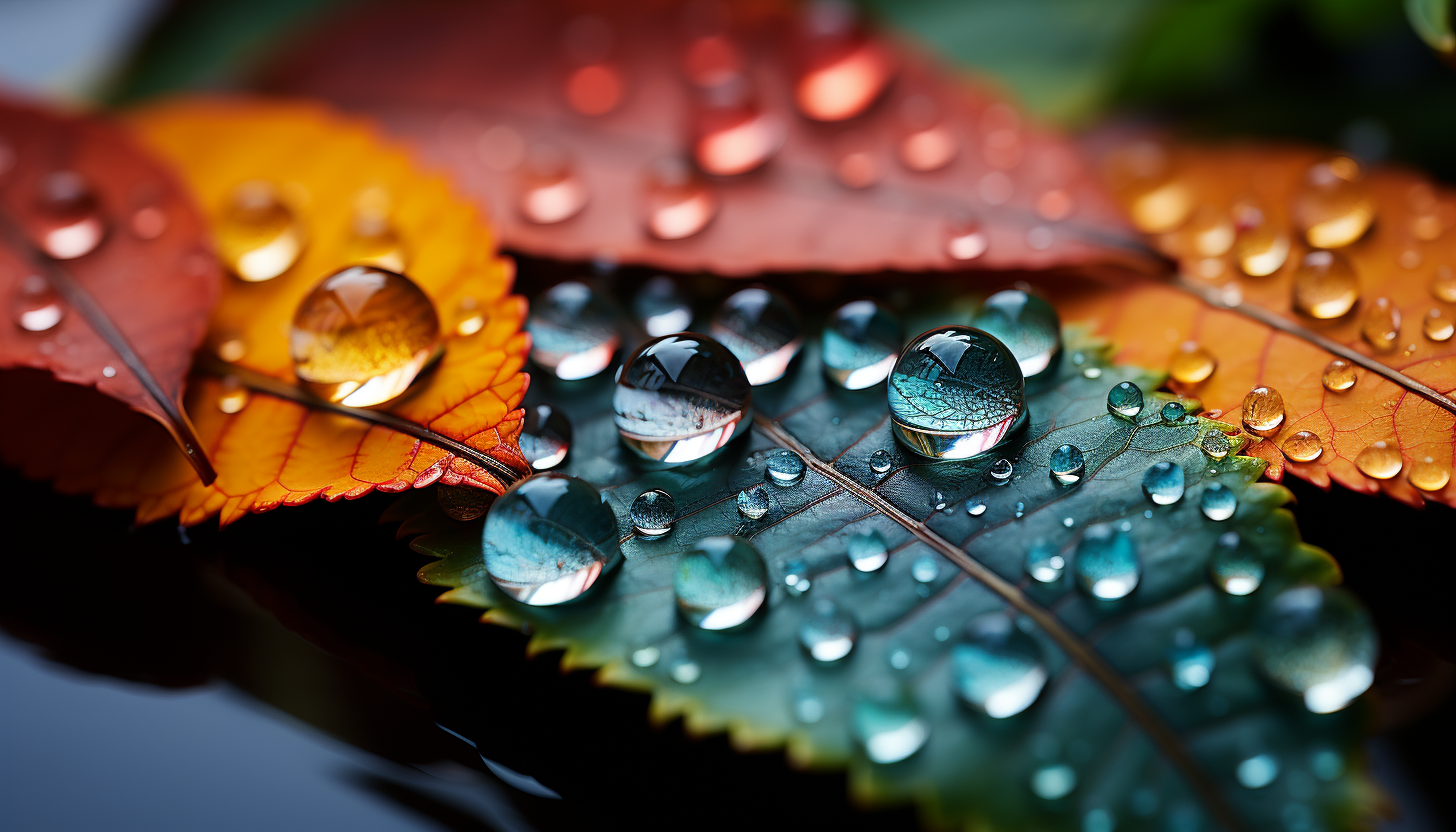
(279, 448)
(1234, 217)
(105, 263)
(757, 142)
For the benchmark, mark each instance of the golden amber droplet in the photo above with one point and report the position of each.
(1261, 249)
(550, 190)
(231, 348)
(36, 307)
(1209, 232)
(1443, 285)
(1428, 474)
(1191, 363)
(1381, 324)
(1380, 460)
(1333, 208)
(1325, 285)
(363, 335)
(1263, 411)
(258, 236)
(463, 502)
(964, 238)
(68, 222)
(1339, 376)
(928, 144)
(232, 396)
(1437, 325)
(1302, 446)
(678, 202)
(844, 70)
(1156, 199)
(469, 317)
(373, 239)
(732, 133)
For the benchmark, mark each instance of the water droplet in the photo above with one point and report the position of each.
(1261, 249)
(36, 307)
(733, 134)
(898, 657)
(593, 85)
(373, 240)
(753, 503)
(469, 317)
(1263, 411)
(956, 392)
(652, 513)
(661, 308)
(1302, 446)
(828, 634)
(937, 501)
(646, 656)
(463, 502)
(1218, 502)
(1333, 208)
(880, 461)
(1092, 372)
(1027, 325)
(1067, 464)
(808, 707)
(363, 335)
(867, 551)
(1044, 563)
(784, 467)
(721, 582)
(679, 398)
(68, 222)
(889, 729)
(1381, 324)
(1098, 820)
(545, 437)
(843, 70)
(1443, 285)
(1235, 567)
(1437, 325)
(1125, 400)
(761, 328)
(964, 237)
(996, 668)
(232, 396)
(928, 143)
(859, 161)
(1173, 413)
(148, 222)
(1106, 564)
(1156, 198)
(1163, 483)
(975, 508)
(1190, 662)
(860, 344)
(548, 539)
(259, 236)
(1191, 363)
(1319, 643)
(1257, 772)
(1209, 232)
(1068, 522)
(925, 569)
(1053, 782)
(1001, 471)
(1339, 376)
(796, 577)
(685, 671)
(678, 202)
(572, 332)
(1326, 764)
(549, 189)
(1380, 460)
(1428, 475)
(1325, 285)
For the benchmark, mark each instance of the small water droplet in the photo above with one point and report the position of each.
(1443, 284)
(259, 236)
(685, 671)
(796, 577)
(1319, 643)
(1326, 764)
(898, 657)
(68, 222)
(646, 656)
(469, 317)
(1209, 232)
(937, 501)
(1263, 411)
(808, 707)
(1092, 372)
(1020, 509)
(36, 307)
(956, 392)
(372, 239)
(1381, 324)
(1437, 325)
(1191, 363)
(733, 134)
(761, 328)
(1157, 198)
(1302, 446)
(925, 569)
(1428, 475)
(828, 634)
(549, 190)
(965, 239)
(680, 398)
(860, 344)
(880, 461)
(1053, 782)
(1380, 460)
(1125, 400)
(1001, 471)
(1333, 208)
(545, 437)
(1098, 820)
(1173, 413)
(975, 508)
(1044, 563)
(867, 551)
(1027, 325)
(1218, 502)
(661, 308)
(1163, 483)
(1325, 285)
(1106, 563)
(721, 583)
(232, 396)
(593, 84)
(1261, 249)
(1190, 662)
(928, 143)
(843, 69)
(996, 668)
(572, 332)
(784, 468)
(652, 513)
(1067, 464)
(549, 539)
(1257, 772)
(148, 222)
(753, 503)
(363, 335)
(678, 202)
(888, 729)
(1235, 567)
(1338, 376)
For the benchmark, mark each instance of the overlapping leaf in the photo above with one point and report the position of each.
(973, 770)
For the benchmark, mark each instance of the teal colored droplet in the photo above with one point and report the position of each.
(1106, 564)
(545, 437)
(549, 539)
(1125, 400)
(925, 569)
(1326, 764)
(1235, 567)
(1319, 643)
(720, 583)
(1001, 471)
(1257, 771)
(880, 461)
(1044, 563)
(1218, 502)
(888, 729)
(828, 633)
(937, 501)
(1028, 326)
(1173, 413)
(956, 392)
(796, 577)
(1190, 662)
(784, 467)
(1053, 782)
(809, 707)
(1067, 464)
(572, 331)
(661, 308)
(681, 398)
(996, 668)
(652, 513)
(975, 508)
(867, 551)
(860, 343)
(753, 503)
(1163, 483)
(646, 656)
(1098, 820)
(761, 328)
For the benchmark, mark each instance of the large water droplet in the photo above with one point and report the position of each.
(1235, 568)
(828, 634)
(1380, 460)
(1106, 564)
(880, 461)
(549, 190)
(843, 70)
(1325, 285)
(1333, 208)
(1191, 363)
(867, 551)
(889, 729)
(1257, 771)
(36, 307)
(1190, 662)
(545, 437)
(761, 328)
(1163, 483)
(1263, 411)
(1125, 400)
(1428, 475)
(661, 308)
(1053, 782)
(956, 392)
(925, 569)
(1028, 326)
(975, 508)
(997, 668)
(68, 222)
(548, 539)
(1218, 502)
(1339, 376)
(1437, 325)
(1044, 563)
(679, 398)
(572, 332)
(1068, 464)
(1319, 643)
(1215, 444)
(362, 336)
(860, 344)
(733, 134)
(783, 467)
(258, 235)
(678, 202)
(721, 582)
(1302, 446)
(1380, 325)
(753, 502)
(652, 513)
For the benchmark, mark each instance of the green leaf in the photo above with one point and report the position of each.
(1149, 754)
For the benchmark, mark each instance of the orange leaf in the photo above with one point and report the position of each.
(278, 452)
(654, 133)
(1207, 206)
